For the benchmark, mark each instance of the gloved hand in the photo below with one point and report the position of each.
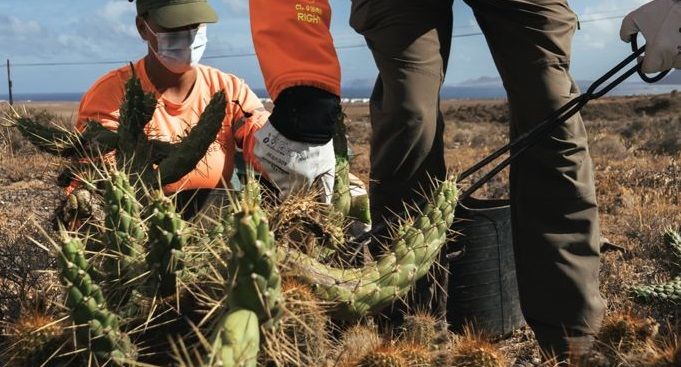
(292, 165)
(294, 148)
(659, 21)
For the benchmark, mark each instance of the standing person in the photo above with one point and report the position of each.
(176, 34)
(553, 201)
(554, 210)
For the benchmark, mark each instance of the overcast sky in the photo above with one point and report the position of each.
(39, 31)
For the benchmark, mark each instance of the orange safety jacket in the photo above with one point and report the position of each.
(294, 44)
(172, 121)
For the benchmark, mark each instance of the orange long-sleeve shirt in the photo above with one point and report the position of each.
(294, 44)
(172, 121)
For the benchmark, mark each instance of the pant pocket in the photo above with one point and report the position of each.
(359, 15)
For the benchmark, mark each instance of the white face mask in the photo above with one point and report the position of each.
(180, 51)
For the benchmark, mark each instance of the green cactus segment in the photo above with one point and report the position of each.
(135, 153)
(194, 146)
(93, 141)
(97, 139)
(340, 139)
(124, 229)
(135, 112)
(673, 239)
(167, 237)
(49, 139)
(359, 208)
(342, 199)
(670, 291)
(254, 277)
(362, 291)
(98, 327)
(356, 207)
(239, 339)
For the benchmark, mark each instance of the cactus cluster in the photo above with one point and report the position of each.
(149, 281)
(357, 292)
(135, 153)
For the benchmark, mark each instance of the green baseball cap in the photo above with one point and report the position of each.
(177, 13)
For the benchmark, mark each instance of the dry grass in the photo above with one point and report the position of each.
(636, 146)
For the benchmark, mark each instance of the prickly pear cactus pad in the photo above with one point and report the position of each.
(357, 292)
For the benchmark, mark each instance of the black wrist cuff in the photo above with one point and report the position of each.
(306, 114)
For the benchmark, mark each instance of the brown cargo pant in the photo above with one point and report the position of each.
(554, 212)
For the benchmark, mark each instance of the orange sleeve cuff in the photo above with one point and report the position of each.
(294, 45)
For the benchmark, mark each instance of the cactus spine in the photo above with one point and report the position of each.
(384, 356)
(31, 339)
(98, 327)
(625, 333)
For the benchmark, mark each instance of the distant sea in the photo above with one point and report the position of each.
(359, 95)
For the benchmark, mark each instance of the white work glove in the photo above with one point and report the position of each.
(660, 23)
(291, 165)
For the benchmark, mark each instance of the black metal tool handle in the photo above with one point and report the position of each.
(644, 76)
(525, 141)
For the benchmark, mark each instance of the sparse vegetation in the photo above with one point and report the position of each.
(636, 150)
